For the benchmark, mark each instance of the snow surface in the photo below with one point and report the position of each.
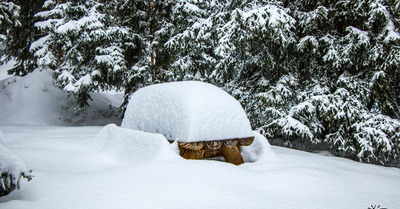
(72, 171)
(187, 111)
(133, 145)
(4, 68)
(33, 99)
(259, 150)
(138, 146)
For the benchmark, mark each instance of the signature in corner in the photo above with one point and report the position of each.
(376, 207)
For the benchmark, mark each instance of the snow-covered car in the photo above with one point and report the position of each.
(206, 121)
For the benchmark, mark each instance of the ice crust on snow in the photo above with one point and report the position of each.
(187, 111)
(132, 145)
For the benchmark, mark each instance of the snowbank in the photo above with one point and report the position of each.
(259, 150)
(11, 170)
(132, 145)
(34, 100)
(4, 68)
(1, 137)
(187, 111)
(138, 146)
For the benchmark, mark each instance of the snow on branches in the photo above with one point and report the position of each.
(12, 170)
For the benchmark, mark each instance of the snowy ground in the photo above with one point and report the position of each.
(70, 172)
(4, 68)
(33, 100)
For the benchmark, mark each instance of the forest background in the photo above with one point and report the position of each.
(312, 74)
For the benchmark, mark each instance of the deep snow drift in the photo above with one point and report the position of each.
(4, 68)
(72, 171)
(187, 111)
(132, 145)
(33, 100)
(138, 146)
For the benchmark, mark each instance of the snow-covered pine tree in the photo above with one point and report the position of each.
(18, 32)
(74, 45)
(344, 87)
(160, 26)
(147, 22)
(9, 17)
(91, 46)
(253, 41)
(190, 43)
(385, 57)
(364, 40)
(159, 31)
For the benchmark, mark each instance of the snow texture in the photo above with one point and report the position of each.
(259, 150)
(4, 68)
(19, 98)
(143, 147)
(187, 111)
(11, 163)
(70, 172)
(132, 145)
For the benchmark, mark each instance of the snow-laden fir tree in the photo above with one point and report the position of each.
(92, 46)
(146, 57)
(74, 45)
(344, 87)
(253, 41)
(9, 17)
(17, 33)
(190, 44)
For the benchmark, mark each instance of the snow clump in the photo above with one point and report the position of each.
(11, 170)
(259, 150)
(187, 111)
(132, 145)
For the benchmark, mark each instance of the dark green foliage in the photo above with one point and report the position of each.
(19, 33)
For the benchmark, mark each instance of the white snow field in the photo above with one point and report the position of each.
(187, 111)
(82, 168)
